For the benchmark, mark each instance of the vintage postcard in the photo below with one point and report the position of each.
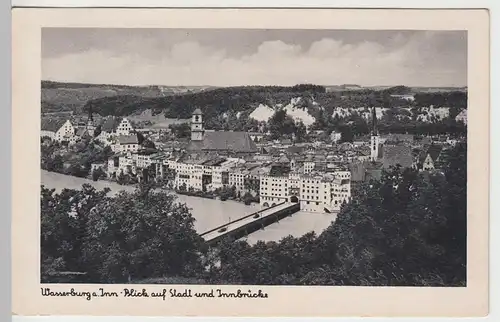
(250, 162)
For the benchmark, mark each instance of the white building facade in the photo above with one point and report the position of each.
(315, 193)
(59, 133)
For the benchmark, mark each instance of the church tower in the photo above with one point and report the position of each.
(374, 141)
(90, 122)
(197, 126)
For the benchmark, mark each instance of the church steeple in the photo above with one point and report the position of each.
(90, 122)
(374, 121)
(374, 140)
(197, 130)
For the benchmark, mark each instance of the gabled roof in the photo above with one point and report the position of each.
(52, 125)
(197, 112)
(433, 150)
(357, 170)
(111, 123)
(397, 155)
(224, 141)
(215, 161)
(128, 139)
(295, 149)
(83, 133)
(400, 138)
(283, 159)
(425, 141)
(373, 174)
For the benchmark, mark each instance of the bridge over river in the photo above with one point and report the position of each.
(248, 224)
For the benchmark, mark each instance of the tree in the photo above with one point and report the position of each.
(300, 132)
(252, 185)
(247, 198)
(346, 134)
(123, 178)
(414, 232)
(77, 170)
(54, 164)
(181, 130)
(148, 144)
(135, 236)
(98, 174)
(281, 124)
(63, 223)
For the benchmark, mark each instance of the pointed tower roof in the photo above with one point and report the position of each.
(197, 112)
(374, 121)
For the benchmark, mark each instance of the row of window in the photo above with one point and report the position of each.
(307, 190)
(307, 202)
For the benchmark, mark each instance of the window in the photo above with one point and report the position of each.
(317, 203)
(308, 202)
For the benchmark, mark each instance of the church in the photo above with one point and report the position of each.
(226, 143)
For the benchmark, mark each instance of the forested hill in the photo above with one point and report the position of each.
(240, 99)
(305, 103)
(59, 96)
(212, 102)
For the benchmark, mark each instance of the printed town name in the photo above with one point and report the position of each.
(143, 293)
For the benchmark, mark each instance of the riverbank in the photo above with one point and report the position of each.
(210, 213)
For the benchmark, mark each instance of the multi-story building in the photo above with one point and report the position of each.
(126, 143)
(316, 192)
(274, 190)
(114, 126)
(309, 166)
(57, 129)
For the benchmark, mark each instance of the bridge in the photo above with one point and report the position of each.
(248, 224)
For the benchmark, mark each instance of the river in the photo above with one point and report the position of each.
(210, 213)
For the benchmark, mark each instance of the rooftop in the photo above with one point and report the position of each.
(238, 142)
(397, 155)
(128, 139)
(111, 123)
(52, 125)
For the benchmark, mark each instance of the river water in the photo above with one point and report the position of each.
(210, 213)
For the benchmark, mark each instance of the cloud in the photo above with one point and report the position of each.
(427, 59)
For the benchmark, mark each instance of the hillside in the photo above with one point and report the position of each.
(260, 102)
(247, 106)
(57, 96)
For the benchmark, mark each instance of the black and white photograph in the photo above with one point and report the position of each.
(254, 157)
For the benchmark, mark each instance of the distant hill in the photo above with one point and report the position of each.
(305, 102)
(58, 96)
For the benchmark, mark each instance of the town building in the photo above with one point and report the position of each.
(397, 155)
(57, 129)
(316, 192)
(126, 143)
(257, 136)
(429, 157)
(374, 138)
(227, 143)
(114, 126)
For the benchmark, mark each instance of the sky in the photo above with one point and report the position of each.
(233, 57)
